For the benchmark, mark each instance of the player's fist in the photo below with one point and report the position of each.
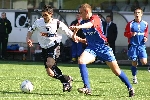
(145, 39)
(74, 28)
(29, 42)
(133, 33)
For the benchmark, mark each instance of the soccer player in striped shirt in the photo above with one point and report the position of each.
(49, 33)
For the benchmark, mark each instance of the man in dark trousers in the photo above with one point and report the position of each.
(77, 48)
(5, 30)
(110, 31)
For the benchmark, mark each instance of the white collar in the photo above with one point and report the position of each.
(109, 23)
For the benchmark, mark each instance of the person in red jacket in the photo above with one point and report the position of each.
(137, 33)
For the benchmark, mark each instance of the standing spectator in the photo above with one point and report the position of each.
(102, 21)
(135, 5)
(110, 31)
(77, 48)
(113, 6)
(137, 33)
(145, 7)
(126, 6)
(5, 30)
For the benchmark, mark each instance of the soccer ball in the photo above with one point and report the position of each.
(26, 86)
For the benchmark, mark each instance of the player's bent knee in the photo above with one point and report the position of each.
(49, 65)
(81, 61)
(134, 63)
(85, 60)
(50, 72)
(144, 63)
(50, 62)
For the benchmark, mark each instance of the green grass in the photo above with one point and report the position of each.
(105, 85)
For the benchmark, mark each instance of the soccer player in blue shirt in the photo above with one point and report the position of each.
(96, 46)
(137, 33)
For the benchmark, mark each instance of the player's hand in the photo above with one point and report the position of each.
(145, 39)
(75, 38)
(29, 42)
(133, 33)
(74, 34)
(74, 28)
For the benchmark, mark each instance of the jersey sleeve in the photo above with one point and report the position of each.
(128, 32)
(33, 27)
(146, 30)
(65, 29)
(95, 20)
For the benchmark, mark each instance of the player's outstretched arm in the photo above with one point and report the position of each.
(85, 25)
(81, 40)
(65, 29)
(29, 34)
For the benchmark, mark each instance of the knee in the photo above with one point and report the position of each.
(134, 63)
(50, 74)
(50, 62)
(144, 62)
(49, 66)
(80, 61)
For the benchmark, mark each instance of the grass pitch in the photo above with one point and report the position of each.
(105, 85)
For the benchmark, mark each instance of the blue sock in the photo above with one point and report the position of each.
(125, 80)
(84, 74)
(134, 70)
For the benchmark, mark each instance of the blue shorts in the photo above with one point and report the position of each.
(102, 51)
(137, 52)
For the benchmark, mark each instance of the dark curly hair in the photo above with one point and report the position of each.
(138, 8)
(47, 8)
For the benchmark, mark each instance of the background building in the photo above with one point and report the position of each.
(17, 13)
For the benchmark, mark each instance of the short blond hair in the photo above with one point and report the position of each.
(86, 6)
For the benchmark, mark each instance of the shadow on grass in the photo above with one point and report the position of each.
(66, 64)
(20, 62)
(17, 92)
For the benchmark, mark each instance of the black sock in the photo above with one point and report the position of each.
(58, 75)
